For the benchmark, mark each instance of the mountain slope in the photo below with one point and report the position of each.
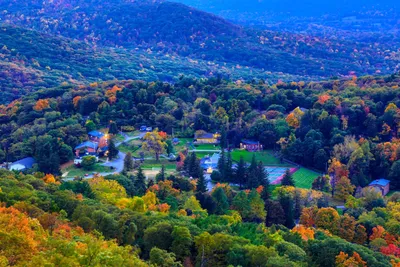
(175, 29)
(30, 60)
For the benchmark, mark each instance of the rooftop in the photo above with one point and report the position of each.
(205, 135)
(97, 134)
(250, 142)
(87, 144)
(27, 162)
(380, 182)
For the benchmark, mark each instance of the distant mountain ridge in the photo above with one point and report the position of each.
(294, 7)
(162, 40)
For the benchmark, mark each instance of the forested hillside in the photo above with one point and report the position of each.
(345, 128)
(31, 60)
(175, 29)
(151, 133)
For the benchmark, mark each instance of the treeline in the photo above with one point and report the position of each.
(308, 123)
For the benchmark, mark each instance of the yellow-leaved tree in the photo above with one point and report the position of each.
(154, 143)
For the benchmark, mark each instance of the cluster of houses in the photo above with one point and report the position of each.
(97, 146)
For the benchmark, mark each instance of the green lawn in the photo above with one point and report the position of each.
(201, 155)
(265, 157)
(207, 147)
(118, 138)
(74, 171)
(304, 178)
(150, 164)
(182, 144)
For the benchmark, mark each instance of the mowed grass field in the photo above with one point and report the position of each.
(207, 147)
(153, 164)
(266, 157)
(304, 178)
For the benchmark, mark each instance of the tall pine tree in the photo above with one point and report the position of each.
(140, 183)
(286, 202)
(252, 180)
(128, 162)
(287, 179)
(161, 175)
(222, 166)
(240, 173)
(229, 168)
(263, 180)
(112, 150)
(223, 141)
(201, 182)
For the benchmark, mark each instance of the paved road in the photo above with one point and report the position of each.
(116, 165)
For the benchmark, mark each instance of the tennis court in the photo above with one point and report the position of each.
(275, 173)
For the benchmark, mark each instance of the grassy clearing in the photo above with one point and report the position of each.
(304, 178)
(118, 138)
(201, 155)
(74, 171)
(182, 144)
(265, 157)
(153, 164)
(207, 147)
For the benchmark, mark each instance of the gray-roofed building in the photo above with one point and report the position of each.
(22, 164)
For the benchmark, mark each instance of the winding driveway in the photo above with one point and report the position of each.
(117, 165)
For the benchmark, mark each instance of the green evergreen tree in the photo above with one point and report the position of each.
(113, 129)
(240, 173)
(192, 165)
(223, 140)
(286, 202)
(228, 168)
(140, 183)
(252, 180)
(263, 180)
(112, 150)
(128, 162)
(297, 205)
(169, 148)
(201, 182)
(161, 175)
(222, 166)
(221, 201)
(287, 179)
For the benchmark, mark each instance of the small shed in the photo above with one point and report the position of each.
(381, 185)
(22, 164)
